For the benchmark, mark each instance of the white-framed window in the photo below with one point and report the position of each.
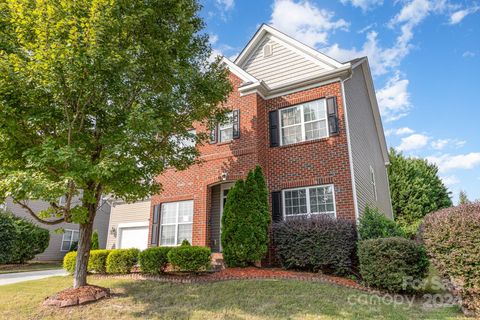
(188, 141)
(373, 182)
(176, 223)
(69, 237)
(309, 201)
(303, 122)
(225, 130)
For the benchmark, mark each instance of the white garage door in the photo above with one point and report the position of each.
(134, 237)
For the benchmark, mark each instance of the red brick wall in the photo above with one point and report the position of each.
(308, 163)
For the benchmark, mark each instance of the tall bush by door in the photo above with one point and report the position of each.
(452, 240)
(393, 264)
(95, 245)
(20, 239)
(245, 221)
(319, 243)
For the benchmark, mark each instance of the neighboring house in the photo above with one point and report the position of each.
(60, 242)
(311, 122)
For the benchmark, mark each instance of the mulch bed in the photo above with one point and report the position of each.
(250, 273)
(72, 297)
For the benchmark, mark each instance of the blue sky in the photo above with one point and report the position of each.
(424, 55)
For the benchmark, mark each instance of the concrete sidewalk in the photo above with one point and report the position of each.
(10, 278)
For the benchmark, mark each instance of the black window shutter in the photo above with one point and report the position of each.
(213, 135)
(274, 128)
(277, 212)
(332, 110)
(236, 124)
(155, 223)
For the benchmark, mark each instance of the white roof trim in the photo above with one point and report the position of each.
(307, 52)
(242, 74)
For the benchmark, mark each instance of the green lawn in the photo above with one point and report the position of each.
(248, 299)
(35, 266)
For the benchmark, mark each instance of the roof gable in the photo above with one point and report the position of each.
(290, 61)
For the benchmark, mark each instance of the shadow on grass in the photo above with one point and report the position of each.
(267, 299)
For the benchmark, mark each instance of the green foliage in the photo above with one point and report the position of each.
(122, 260)
(92, 94)
(94, 243)
(190, 258)
(185, 242)
(394, 264)
(245, 221)
(416, 190)
(7, 237)
(23, 242)
(98, 261)
(452, 240)
(318, 243)
(154, 260)
(69, 261)
(374, 225)
(463, 198)
(73, 246)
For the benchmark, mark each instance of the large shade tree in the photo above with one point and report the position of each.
(95, 96)
(416, 189)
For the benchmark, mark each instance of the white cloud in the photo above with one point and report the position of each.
(458, 16)
(226, 5)
(442, 143)
(363, 4)
(394, 98)
(413, 142)
(399, 131)
(213, 38)
(448, 162)
(305, 21)
(469, 54)
(450, 180)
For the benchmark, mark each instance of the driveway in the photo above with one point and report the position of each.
(10, 278)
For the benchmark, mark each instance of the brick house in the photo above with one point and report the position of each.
(311, 122)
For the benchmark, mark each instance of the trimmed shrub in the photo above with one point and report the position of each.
(245, 221)
(190, 258)
(122, 260)
(393, 264)
(94, 245)
(452, 239)
(69, 261)
(23, 242)
(98, 261)
(318, 243)
(154, 260)
(375, 225)
(8, 234)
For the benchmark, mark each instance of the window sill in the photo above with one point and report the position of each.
(305, 142)
(224, 142)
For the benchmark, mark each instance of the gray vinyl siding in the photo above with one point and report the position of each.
(366, 148)
(215, 219)
(126, 213)
(53, 251)
(282, 67)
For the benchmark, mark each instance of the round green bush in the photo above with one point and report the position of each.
(374, 225)
(8, 235)
(190, 258)
(69, 261)
(394, 264)
(452, 239)
(153, 260)
(122, 260)
(98, 261)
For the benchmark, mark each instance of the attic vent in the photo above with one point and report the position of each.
(267, 50)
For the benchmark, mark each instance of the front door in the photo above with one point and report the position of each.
(223, 199)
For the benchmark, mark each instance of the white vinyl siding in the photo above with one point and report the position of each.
(281, 67)
(69, 237)
(303, 122)
(307, 201)
(176, 223)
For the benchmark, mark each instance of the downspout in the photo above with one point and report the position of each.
(350, 158)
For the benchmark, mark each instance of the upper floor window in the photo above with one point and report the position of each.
(304, 122)
(225, 130)
(309, 200)
(189, 141)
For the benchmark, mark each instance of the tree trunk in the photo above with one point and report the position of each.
(83, 250)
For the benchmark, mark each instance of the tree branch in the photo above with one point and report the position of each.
(32, 213)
